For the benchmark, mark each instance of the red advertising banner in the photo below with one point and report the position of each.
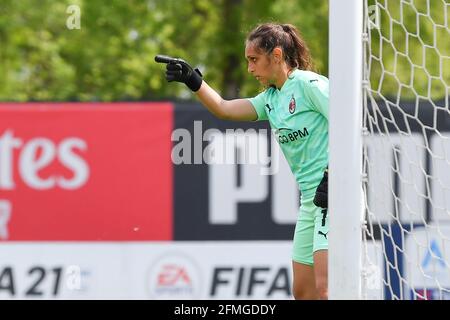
(86, 171)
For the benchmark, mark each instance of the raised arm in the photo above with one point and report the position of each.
(236, 109)
(180, 71)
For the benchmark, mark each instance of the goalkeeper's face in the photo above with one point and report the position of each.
(259, 64)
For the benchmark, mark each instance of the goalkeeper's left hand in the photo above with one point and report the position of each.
(321, 197)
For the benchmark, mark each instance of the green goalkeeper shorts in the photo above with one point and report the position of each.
(311, 231)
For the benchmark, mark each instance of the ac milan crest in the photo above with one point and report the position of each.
(292, 105)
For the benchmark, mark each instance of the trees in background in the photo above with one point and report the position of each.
(110, 57)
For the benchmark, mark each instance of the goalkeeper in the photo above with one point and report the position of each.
(295, 102)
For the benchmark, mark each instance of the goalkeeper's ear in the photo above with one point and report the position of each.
(321, 197)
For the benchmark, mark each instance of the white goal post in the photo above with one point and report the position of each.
(345, 152)
(389, 171)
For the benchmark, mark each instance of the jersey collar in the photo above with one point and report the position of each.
(291, 76)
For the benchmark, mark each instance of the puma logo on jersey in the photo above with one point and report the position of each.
(268, 107)
(324, 234)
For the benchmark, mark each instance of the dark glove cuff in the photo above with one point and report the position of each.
(195, 80)
(321, 199)
(321, 196)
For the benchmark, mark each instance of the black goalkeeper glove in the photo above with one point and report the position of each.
(321, 197)
(180, 71)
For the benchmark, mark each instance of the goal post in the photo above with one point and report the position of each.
(345, 151)
(389, 149)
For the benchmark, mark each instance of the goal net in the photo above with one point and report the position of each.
(406, 150)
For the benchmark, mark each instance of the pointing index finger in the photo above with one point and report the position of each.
(165, 59)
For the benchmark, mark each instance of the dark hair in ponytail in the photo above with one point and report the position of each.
(267, 36)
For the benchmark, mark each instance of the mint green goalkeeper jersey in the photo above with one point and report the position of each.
(298, 112)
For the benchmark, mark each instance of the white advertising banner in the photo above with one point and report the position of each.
(427, 269)
(146, 270)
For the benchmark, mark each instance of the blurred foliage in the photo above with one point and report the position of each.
(111, 56)
(410, 52)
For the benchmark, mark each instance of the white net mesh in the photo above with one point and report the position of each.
(406, 164)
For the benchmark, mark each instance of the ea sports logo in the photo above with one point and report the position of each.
(174, 276)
